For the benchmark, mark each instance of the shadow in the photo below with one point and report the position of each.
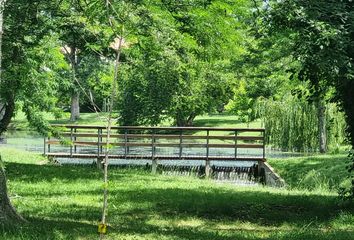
(256, 207)
(208, 231)
(35, 173)
(259, 207)
(40, 228)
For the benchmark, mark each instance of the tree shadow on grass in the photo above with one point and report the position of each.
(259, 207)
(207, 231)
(212, 206)
(38, 228)
(36, 173)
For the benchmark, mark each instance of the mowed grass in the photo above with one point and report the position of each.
(20, 122)
(64, 202)
(227, 121)
(217, 120)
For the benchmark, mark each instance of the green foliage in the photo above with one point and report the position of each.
(30, 60)
(322, 34)
(262, 70)
(173, 68)
(292, 124)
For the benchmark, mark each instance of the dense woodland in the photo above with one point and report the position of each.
(288, 63)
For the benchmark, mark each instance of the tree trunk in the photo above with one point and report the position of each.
(2, 105)
(6, 108)
(75, 95)
(8, 215)
(2, 7)
(75, 106)
(8, 112)
(322, 128)
(191, 119)
(185, 122)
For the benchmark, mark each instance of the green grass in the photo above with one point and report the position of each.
(20, 121)
(64, 202)
(316, 172)
(228, 121)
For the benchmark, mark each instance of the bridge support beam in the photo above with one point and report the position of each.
(99, 163)
(207, 169)
(154, 166)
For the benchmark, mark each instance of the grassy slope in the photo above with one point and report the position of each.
(316, 172)
(63, 202)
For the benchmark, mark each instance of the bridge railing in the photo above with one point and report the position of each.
(158, 143)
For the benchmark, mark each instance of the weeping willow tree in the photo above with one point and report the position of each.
(293, 124)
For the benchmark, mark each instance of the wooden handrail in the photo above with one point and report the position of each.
(159, 128)
(132, 144)
(165, 136)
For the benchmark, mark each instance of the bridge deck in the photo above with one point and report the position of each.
(157, 157)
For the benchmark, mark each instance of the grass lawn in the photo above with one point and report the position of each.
(20, 121)
(64, 202)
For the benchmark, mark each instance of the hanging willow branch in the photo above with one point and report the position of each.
(292, 124)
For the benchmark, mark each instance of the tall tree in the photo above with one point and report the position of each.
(8, 214)
(323, 36)
(183, 53)
(27, 72)
(82, 38)
(72, 27)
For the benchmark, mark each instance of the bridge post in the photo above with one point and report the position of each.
(99, 162)
(207, 162)
(99, 148)
(71, 142)
(99, 142)
(236, 133)
(261, 164)
(125, 143)
(44, 147)
(48, 145)
(180, 144)
(263, 141)
(153, 149)
(75, 148)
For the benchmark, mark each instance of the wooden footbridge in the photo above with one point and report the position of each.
(183, 145)
(158, 143)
